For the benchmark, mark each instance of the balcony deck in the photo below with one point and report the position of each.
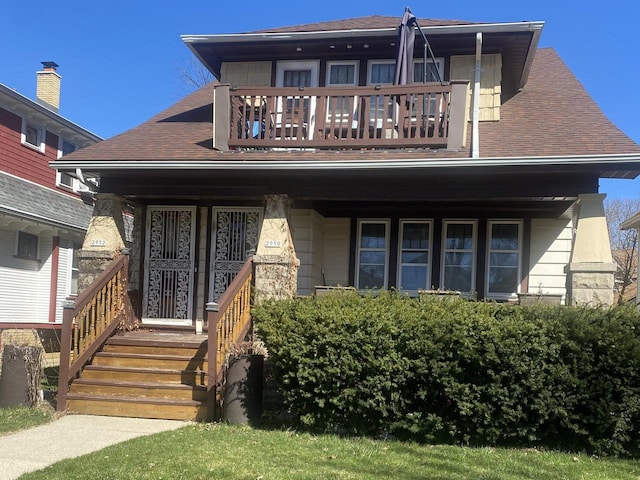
(430, 115)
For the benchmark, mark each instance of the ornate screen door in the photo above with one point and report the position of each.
(169, 265)
(235, 235)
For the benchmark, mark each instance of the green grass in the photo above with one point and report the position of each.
(18, 418)
(207, 451)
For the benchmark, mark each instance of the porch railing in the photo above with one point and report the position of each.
(228, 322)
(430, 115)
(90, 319)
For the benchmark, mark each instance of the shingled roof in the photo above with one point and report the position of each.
(552, 116)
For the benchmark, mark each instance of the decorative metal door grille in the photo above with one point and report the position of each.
(169, 263)
(235, 236)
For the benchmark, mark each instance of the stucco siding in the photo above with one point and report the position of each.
(551, 242)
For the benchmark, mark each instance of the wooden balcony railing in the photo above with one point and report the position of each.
(429, 115)
(90, 319)
(228, 322)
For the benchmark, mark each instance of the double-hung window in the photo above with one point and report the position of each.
(27, 246)
(414, 255)
(458, 255)
(32, 135)
(342, 107)
(373, 254)
(504, 258)
(64, 179)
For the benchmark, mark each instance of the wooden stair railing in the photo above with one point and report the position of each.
(228, 322)
(90, 319)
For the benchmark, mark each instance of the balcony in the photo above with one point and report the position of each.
(431, 115)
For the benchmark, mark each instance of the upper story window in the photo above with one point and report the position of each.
(64, 179)
(297, 74)
(432, 73)
(27, 246)
(342, 73)
(32, 135)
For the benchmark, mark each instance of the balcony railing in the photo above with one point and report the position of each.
(431, 115)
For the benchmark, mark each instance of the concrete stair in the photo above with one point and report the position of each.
(146, 376)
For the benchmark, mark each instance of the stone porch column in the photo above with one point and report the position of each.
(104, 240)
(590, 273)
(275, 261)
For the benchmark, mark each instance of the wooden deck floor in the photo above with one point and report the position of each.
(165, 336)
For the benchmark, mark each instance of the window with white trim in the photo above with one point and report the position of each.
(74, 271)
(414, 255)
(27, 246)
(432, 76)
(504, 255)
(372, 256)
(32, 135)
(64, 179)
(342, 74)
(458, 255)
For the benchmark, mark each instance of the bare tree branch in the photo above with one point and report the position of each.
(624, 243)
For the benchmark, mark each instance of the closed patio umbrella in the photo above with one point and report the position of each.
(404, 52)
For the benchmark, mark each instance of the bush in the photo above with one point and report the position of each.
(454, 371)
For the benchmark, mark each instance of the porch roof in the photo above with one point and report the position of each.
(552, 121)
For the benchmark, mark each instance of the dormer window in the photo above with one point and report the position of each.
(32, 135)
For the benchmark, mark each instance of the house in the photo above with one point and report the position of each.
(42, 217)
(630, 264)
(479, 176)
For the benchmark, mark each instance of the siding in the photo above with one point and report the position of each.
(246, 74)
(65, 259)
(462, 68)
(336, 251)
(551, 242)
(24, 284)
(308, 239)
(201, 248)
(22, 161)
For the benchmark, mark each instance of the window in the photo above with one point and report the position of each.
(414, 255)
(341, 74)
(418, 70)
(27, 246)
(32, 135)
(64, 179)
(373, 254)
(503, 263)
(75, 270)
(458, 255)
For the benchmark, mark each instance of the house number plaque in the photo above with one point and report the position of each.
(272, 243)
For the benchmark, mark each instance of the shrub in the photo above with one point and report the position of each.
(454, 371)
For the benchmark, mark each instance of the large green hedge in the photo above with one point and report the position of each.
(454, 371)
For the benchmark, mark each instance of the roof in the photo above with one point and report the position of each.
(553, 120)
(28, 200)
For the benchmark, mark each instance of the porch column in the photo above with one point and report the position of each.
(275, 261)
(590, 272)
(104, 240)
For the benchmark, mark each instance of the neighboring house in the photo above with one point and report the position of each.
(304, 152)
(42, 217)
(631, 293)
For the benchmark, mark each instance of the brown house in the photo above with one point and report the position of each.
(479, 176)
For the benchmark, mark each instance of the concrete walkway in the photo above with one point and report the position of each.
(70, 436)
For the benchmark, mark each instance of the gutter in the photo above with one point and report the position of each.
(472, 28)
(93, 166)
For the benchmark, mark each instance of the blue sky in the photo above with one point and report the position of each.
(120, 60)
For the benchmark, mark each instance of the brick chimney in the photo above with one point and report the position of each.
(48, 86)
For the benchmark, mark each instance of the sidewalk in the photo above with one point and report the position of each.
(70, 436)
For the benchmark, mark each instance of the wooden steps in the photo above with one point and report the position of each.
(145, 375)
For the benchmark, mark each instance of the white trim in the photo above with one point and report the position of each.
(387, 225)
(400, 163)
(313, 65)
(473, 250)
(429, 249)
(41, 134)
(356, 72)
(500, 295)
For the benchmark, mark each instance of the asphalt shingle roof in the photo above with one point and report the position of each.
(552, 116)
(25, 199)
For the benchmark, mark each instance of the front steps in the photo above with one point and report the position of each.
(145, 375)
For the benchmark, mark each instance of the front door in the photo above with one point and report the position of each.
(235, 236)
(169, 265)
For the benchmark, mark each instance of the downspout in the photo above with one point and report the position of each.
(475, 134)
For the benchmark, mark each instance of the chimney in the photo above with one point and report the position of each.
(48, 86)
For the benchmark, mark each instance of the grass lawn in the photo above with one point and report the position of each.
(18, 418)
(209, 451)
